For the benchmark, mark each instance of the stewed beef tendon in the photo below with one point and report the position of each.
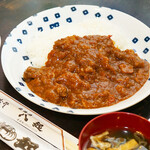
(87, 72)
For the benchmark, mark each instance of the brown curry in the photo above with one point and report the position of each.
(87, 72)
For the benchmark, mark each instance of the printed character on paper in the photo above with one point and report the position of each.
(25, 114)
(37, 125)
(7, 132)
(3, 103)
(26, 144)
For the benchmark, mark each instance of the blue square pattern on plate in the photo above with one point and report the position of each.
(25, 57)
(73, 8)
(19, 40)
(21, 83)
(69, 20)
(30, 94)
(97, 14)
(24, 32)
(57, 15)
(110, 17)
(40, 29)
(147, 39)
(29, 23)
(85, 12)
(45, 19)
(146, 50)
(135, 40)
(55, 22)
(14, 49)
(18, 89)
(54, 25)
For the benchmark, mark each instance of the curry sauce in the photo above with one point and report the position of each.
(87, 72)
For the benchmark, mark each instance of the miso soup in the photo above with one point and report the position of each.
(118, 139)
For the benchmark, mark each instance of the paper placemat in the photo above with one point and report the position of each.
(21, 127)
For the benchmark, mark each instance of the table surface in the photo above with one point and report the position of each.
(12, 12)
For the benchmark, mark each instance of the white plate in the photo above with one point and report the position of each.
(49, 25)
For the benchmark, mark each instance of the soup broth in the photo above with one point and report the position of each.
(118, 139)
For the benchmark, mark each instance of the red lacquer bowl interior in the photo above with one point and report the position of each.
(114, 120)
